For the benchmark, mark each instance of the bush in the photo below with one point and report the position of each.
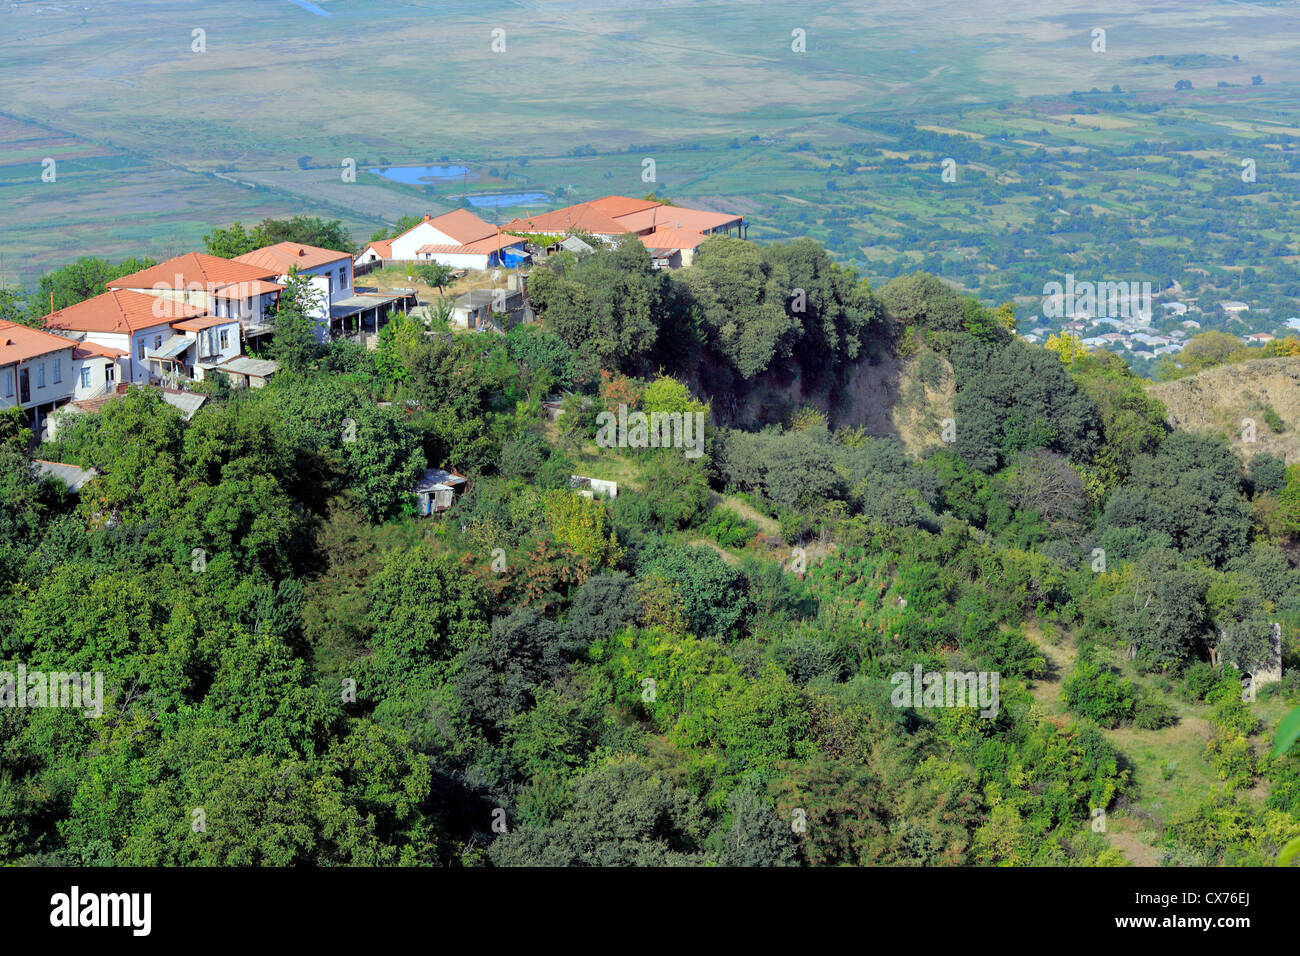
(1273, 419)
(729, 529)
(1232, 758)
(1099, 694)
(1198, 680)
(1151, 712)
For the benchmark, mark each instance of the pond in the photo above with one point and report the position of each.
(499, 200)
(420, 175)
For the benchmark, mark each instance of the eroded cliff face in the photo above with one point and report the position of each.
(1220, 399)
(907, 399)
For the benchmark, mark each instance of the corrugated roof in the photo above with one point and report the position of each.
(73, 477)
(170, 349)
(243, 365)
(187, 403)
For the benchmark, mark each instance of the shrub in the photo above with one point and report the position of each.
(1273, 419)
(1099, 694)
(1232, 758)
(1151, 712)
(729, 529)
(1198, 680)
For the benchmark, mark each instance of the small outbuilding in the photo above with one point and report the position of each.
(437, 489)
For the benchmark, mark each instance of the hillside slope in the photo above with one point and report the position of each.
(1219, 399)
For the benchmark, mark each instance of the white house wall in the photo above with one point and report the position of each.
(52, 391)
(456, 260)
(404, 247)
(98, 365)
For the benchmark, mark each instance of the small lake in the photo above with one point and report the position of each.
(420, 175)
(500, 200)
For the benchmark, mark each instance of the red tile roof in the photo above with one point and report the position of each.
(195, 270)
(382, 246)
(617, 206)
(613, 215)
(283, 256)
(121, 311)
(582, 217)
(85, 350)
(246, 290)
(18, 343)
(462, 225)
(203, 322)
(668, 238)
(677, 217)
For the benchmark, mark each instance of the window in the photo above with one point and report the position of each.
(8, 381)
(85, 376)
(225, 339)
(40, 375)
(58, 371)
(139, 350)
(157, 342)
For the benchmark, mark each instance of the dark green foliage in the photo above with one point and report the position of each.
(621, 814)
(603, 606)
(1162, 612)
(1267, 473)
(1012, 398)
(496, 679)
(757, 836)
(712, 592)
(1190, 491)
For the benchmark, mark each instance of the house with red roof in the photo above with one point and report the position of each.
(458, 239)
(328, 271)
(223, 288)
(671, 233)
(130, 336)
(36, 371)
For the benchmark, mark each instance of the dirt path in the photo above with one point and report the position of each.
(1134, 850)
(748, 512)
(726, 555)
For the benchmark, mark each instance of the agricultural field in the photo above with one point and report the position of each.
(741, 106)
